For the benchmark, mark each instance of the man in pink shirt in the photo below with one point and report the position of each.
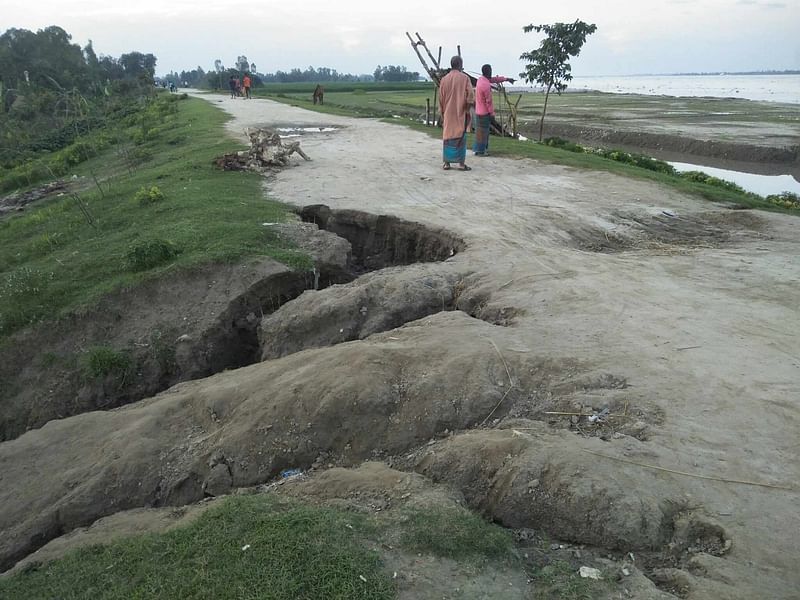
(484, 109)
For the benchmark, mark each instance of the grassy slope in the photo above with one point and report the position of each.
(295, 552)
(52, 260)
(410, 103)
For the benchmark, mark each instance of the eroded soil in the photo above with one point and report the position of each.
(573, 292)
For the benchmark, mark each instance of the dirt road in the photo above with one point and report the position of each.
(696, 313)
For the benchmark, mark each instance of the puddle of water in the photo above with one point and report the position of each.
(299, 130)
(763, 185)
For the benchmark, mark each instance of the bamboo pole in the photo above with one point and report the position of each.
(421, 59)
(424, 45)
(436, 89)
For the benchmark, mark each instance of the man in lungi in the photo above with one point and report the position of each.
(484, 109)
(455, 97)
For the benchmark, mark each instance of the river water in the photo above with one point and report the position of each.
(763, 185)
(771, 88)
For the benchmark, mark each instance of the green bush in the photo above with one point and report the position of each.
(146, 197)
(637, 160)
(557, 142)
(700, 177)
(150, 253)
(140, 155)
(74, 154)
(630, 158)
(785, 200)
(101, 361)
(22, 175)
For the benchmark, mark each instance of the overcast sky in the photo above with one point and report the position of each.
(633, 36)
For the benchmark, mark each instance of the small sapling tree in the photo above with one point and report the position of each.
(549, 65)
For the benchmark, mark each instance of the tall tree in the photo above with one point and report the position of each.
(218, 69)
(549, 65)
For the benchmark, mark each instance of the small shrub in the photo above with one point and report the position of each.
(140, 155)
(102, 361)
(456, 534)
(150, 253)
(557, 142)
(146, 197)
(162, 347)
(22, 298)
(637, 160)
(47, 242)
(785, 200)
(22, 175)
(700, 177)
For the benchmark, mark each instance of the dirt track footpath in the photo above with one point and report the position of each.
(697, 314)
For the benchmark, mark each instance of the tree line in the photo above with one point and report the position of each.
(218, 77)
(52, 92)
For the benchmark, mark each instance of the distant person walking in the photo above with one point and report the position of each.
(232, 85)
(246, 85)
(455, 97)
(484, 109)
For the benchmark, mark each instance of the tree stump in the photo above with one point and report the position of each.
(266, 151)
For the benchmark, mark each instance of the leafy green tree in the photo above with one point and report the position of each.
(394, 73)
(138, 65)
(549, 65)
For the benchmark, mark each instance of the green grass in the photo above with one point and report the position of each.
(69, 251)
(454, 533)
(560, 581)
(295, 551)
(101, 361)
(339, 86)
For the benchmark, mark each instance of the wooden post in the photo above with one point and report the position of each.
(427, 112)
(514, 113)
(435, 99)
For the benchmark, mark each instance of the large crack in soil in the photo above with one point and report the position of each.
(384, 396)
(380, 241)
(173, 352)
(380, 397)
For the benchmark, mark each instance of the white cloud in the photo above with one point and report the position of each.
(356, 35)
